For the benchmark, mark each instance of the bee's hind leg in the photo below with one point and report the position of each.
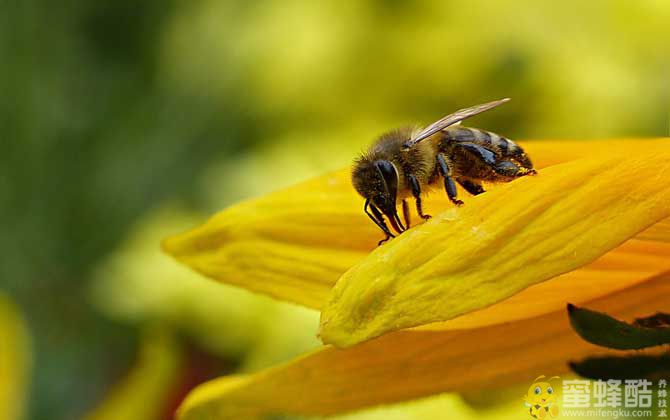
(376, 216)
(511, 169)
(505, 168)
(518, 155)
(416, 192)
(472, 187)
(444, 166)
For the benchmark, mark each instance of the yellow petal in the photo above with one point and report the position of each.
(551, 152)
(15, 361)
(522, 233)
(629, 264)
(145, 392)
(410, 364)
(295, 243)
(292, 245)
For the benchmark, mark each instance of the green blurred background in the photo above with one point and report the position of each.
(123, 122)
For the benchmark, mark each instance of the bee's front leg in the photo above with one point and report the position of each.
(444, 166)
(376, 216)
(383, 241)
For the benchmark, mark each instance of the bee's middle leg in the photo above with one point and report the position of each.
(405, 212)
(444, 166)
(416, 192)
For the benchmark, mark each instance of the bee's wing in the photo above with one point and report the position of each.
(452, 119)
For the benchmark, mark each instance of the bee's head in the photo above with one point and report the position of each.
(377, 181)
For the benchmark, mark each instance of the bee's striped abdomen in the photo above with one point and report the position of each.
(501, 146)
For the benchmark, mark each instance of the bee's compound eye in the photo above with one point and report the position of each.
(550, 390)
(389, 175)
(538, 390)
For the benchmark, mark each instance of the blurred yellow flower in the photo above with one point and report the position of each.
(15, 361)
(146, 391)
(592, 222)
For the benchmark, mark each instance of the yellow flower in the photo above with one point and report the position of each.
(15, 361)
(485, 283)
(146, 391)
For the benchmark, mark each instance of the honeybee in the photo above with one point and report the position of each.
(401, 164)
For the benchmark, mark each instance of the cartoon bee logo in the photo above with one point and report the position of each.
(541, 398)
